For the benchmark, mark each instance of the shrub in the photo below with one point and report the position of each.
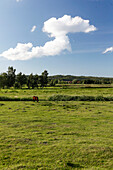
(100, 98)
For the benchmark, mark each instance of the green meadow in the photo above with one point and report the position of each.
(56, 135)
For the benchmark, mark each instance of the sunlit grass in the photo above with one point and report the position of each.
(56, 135)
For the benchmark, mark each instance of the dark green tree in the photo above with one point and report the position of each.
(29, 80)
(21, 79)
(3, 80)
(45, 78)
(53, 82)
(36, 80)
(32, 81)
(41, 81)
(11, 76)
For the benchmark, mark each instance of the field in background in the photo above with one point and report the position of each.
(71, 90)
(56, 135)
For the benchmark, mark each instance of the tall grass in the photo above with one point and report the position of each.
(79, 98)
(2, 98)
(61, 98)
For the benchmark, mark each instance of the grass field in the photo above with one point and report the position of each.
(93, 90)
(56, 135)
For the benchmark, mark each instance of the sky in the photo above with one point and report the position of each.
(67, 37)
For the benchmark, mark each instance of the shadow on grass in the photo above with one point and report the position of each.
(74, 165)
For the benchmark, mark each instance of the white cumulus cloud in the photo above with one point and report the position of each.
(21, 52)
(56, 28)
(33, 28)
(67, 24)
(110, 49)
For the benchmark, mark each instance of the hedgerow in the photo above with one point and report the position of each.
(79, 98)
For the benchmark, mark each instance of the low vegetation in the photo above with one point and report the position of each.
(69, 128)
(56, 135)
(14, 99)
(79, 98)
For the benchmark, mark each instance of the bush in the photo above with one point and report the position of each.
(100, 98)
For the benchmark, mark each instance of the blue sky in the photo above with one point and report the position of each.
(74, 52)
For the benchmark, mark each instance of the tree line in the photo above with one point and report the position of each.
(10, 79)
(69, 79)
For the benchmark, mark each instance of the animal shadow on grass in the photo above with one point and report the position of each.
(47, 104)
(74, 165)
(1, 104)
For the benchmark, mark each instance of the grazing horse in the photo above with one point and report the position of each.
(35, 98)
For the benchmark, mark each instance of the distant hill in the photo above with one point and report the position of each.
(68, 78)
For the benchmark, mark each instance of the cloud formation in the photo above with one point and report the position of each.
(33, 28)
(110, 49)
(56, 28)
(18, 0)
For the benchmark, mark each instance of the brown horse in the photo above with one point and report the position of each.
(35, 98)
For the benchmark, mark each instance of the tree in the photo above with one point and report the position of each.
(11, 76)
(45, 78)
(21, 79)
(41, 80)
(32, 81)
(3, 80)
(36, 80)
(53, 82)
(29, 80)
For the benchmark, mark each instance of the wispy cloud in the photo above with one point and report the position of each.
(33, 28)
(18, 0)
(57, 28)
(87, 51)
(110, 49)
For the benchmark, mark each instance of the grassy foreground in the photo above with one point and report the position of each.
(56, 135)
